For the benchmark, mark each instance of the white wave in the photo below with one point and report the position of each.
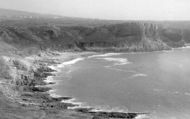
(187, 47)
(54, 95)
(104, 55)
(53, 67)
(109, 109)
(119, 61)
(139, 75)
(184, 47)
(70, 62)
(49, 79)
(74, 102)
(79, 105)
(142, 116)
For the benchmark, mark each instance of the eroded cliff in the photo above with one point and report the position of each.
(133, 36)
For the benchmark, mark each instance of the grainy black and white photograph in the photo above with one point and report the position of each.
(94, 59)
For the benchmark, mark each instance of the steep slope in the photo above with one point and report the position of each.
(132, 36)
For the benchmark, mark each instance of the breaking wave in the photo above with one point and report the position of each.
(118, 61)
(70, 62)
(139, 75)
(104, 55)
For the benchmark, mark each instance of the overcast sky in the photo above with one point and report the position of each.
(107, 9)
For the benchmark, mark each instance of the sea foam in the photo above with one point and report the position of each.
(139, 75)
(70, 62)
(142, 116)
(104, 55)
(118, 61)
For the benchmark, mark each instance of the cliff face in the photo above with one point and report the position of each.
(116, 37)
(123, 37)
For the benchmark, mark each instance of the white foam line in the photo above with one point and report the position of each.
(120, 61)
(104, 55)
(73, 101)
(79, 106)
(52, 67)
(139, 75)
(110, 110)
(185, 47)
(142, 116)
(55, 95)
(70, 62)
(57, 67)
(49, 79)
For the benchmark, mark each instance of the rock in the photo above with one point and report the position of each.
(114, 115)
(97, 117)
(40, 89)
(61, 98)
(84, 110)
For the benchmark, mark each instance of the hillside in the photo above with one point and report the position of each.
(129, 36)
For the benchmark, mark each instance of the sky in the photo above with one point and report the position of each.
(106, 9)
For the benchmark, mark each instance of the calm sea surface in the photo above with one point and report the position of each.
(155, 82)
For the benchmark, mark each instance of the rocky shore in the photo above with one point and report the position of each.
(28, 95)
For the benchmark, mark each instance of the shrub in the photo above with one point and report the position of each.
(19, 65)
(4, 69)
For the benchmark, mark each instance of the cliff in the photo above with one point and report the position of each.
(129, 36)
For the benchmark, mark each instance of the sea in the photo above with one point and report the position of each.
(156, 83)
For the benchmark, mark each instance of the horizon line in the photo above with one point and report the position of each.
(100, 19)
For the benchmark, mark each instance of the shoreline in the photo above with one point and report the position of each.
(32, 91)
(89, 110)
(78, 106)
